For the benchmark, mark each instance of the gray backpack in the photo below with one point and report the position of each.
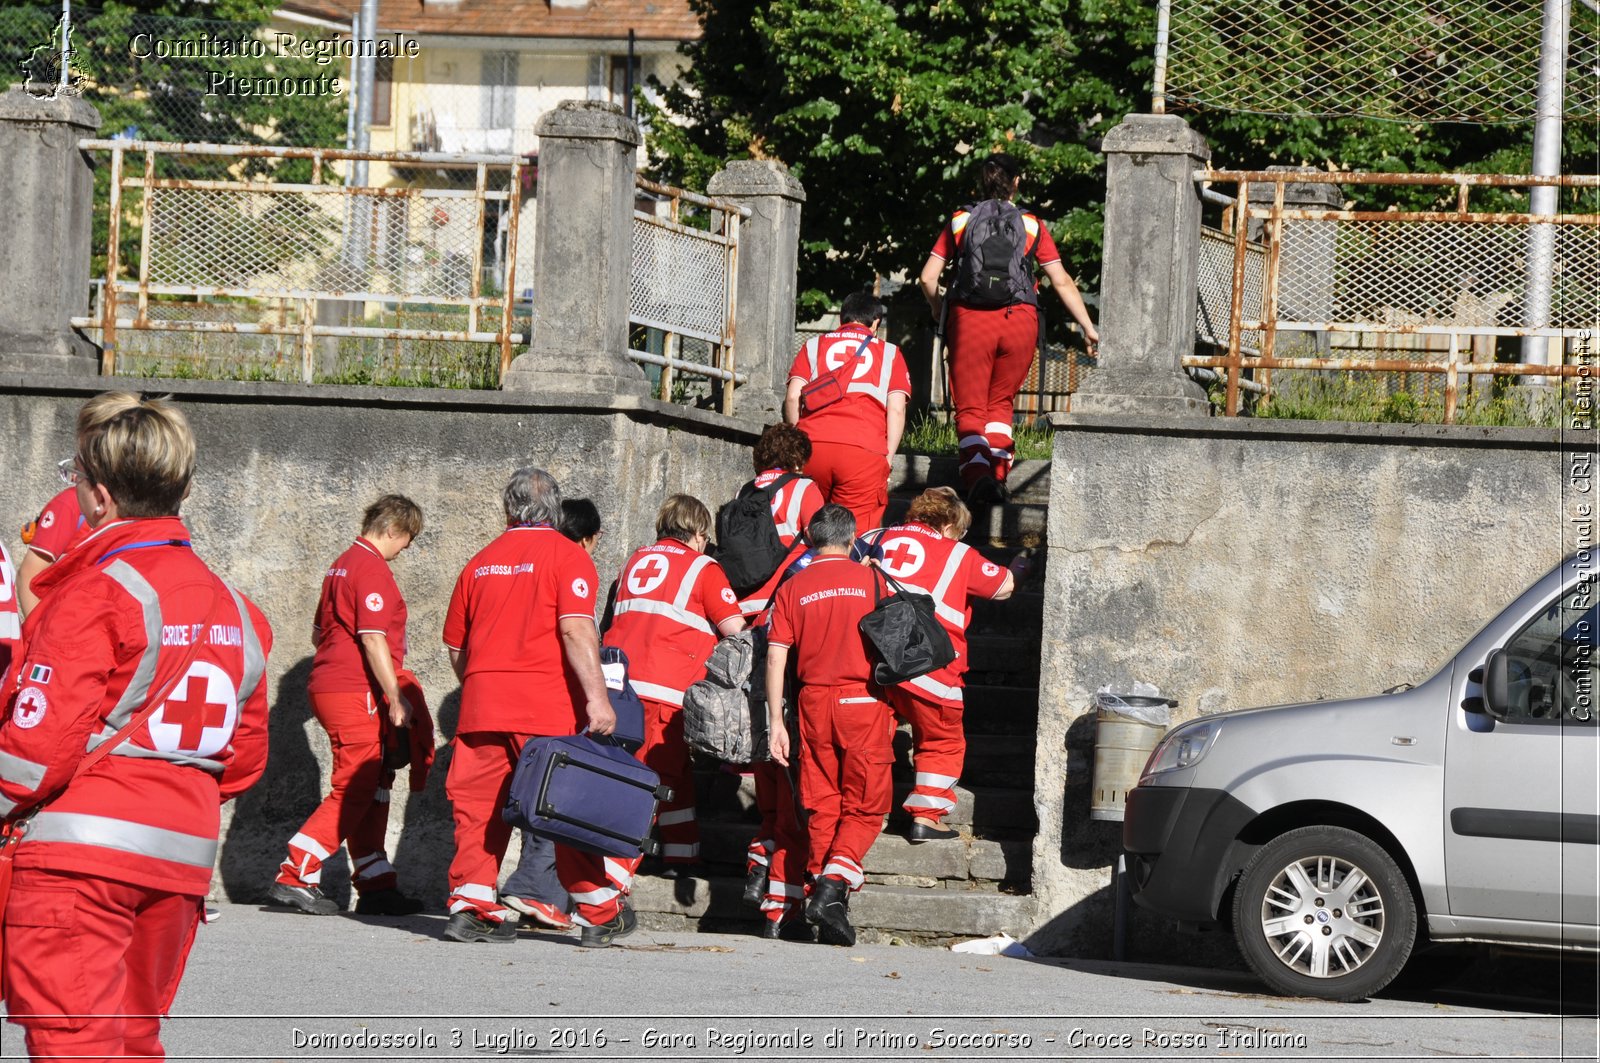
(992, 269)
(725, 714)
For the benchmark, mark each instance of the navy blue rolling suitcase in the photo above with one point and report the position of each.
(586, 793)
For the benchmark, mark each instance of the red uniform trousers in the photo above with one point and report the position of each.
(781, 846)
(92, 964)
(846, 748)
(356, 810)
(990, 354)
(853, 477)
(938, 749)
(479, 783)
(598, 884)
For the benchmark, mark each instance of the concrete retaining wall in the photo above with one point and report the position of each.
(284, 473)
(1236, 563)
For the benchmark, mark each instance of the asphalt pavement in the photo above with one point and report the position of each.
(266, 984)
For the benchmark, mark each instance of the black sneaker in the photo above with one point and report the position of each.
(307, 899)
(387, 902)
(986, 492)
(600, 937)
(465, 926)
(828, 909)
(755, 885)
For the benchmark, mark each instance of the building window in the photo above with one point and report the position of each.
(619, 79)
(499, 90)
(382, 91)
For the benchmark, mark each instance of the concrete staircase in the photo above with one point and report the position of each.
(937, 892)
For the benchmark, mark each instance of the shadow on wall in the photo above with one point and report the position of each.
(427, 840)
(266, 817)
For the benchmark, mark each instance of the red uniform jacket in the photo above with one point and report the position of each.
(670, 602)
(128, 612)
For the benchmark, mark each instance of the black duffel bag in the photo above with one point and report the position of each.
(905, 632)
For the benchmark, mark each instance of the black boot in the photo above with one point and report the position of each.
(829, 910)
(755, 885)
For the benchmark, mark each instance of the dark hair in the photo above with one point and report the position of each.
(580, 519)
(782, 446)
(832, 525)
(862, 308)
(997, 175)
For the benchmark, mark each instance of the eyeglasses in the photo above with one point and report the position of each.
(67, 469)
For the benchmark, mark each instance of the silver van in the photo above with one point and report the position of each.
(1335, 836)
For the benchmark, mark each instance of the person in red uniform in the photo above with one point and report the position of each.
(672, 604)
(925, 555)
(360, 639)
(781, 449)
(534, 888)
(854, 438)
(846, 729)
(992, 347)
(522, 640)
(134, 632)
(60, 524)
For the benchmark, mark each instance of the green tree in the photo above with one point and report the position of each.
(882, 109)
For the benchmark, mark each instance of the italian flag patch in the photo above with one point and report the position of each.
(40, 674)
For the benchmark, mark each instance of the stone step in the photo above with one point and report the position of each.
(879, 912)
(1003, 809)
(892, 857)
(911, 474)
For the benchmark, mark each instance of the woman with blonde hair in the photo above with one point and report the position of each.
(924, 553)
(142, 655)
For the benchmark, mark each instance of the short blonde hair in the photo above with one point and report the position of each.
(142, 453)
(940, 508)
(682, 517)
(103, 407)
(395, 513)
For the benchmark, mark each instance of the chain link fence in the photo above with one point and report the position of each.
(1410, 60)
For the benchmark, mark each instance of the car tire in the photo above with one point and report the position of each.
(1324, 912)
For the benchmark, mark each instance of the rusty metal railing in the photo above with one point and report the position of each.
(682, 287)
(1439, 283)
(303, 260)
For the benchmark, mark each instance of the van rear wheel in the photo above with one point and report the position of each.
(1324, 912)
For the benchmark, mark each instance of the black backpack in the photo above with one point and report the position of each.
(992, 269)
(906, 634)
(748, 546)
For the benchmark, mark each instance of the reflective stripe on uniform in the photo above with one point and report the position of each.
(7, 806)
(939, 804)
(957, 618)
(10, 626)
(752, 605)
(20, 772)
(934, 782)
(789, 526)
(666, 609)
(373, 866)
(849, 870)
(306, 843)
(937, 689)
(139, 589)
(656, 692)
(80, 828)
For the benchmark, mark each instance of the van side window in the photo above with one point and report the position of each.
(1553, 661)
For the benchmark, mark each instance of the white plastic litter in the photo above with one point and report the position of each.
(1000, 945)
(1142, 702)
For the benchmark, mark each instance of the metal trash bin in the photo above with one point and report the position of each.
(1126, 731)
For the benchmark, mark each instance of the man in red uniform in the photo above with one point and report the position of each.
(522, 640)
(854, 438)
(992, 345)
(133, 632)
(60, 524)
(360, 636)
(672, 603)
(926, 556)
(846, 730)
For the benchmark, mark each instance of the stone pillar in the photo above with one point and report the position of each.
(1148, 288)
(47, 215)
(769, 243)
(584, 255)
